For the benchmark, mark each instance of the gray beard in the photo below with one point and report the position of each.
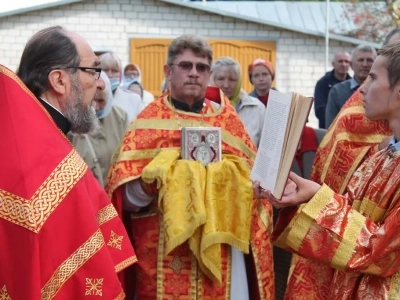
(81, 118)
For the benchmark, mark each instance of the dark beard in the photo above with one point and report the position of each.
(82, 118)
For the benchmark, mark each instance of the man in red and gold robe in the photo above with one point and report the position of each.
(60, 235)
(197, 231)
(350, 140)
(347, 143)
(356, 234)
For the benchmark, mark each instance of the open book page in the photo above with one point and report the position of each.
(285, 117)
(301, 108)
(268, 159)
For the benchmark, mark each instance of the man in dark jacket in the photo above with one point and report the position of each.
(340, 63)
(362, 58)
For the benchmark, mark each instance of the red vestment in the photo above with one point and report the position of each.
(177, 275)
(350, 139)
(347, 143)
(60, 236)
(356, 235)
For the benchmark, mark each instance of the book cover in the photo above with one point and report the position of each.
(201, 143)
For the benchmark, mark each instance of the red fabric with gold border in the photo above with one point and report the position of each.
(355, 235)
(177, 275)
(61, 237)
(347, 143)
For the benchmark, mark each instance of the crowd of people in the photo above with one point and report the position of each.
(95, 200)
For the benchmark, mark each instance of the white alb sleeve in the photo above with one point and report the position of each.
(134, 197)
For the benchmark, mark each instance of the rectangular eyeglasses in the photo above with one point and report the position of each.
(94, 71)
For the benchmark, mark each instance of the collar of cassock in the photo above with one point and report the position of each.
(196, 108)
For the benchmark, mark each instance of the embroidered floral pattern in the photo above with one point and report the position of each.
(4, 294)
(115, 240)
(177, 265)
(94, 286)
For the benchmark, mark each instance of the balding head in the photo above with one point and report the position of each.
(341, 63)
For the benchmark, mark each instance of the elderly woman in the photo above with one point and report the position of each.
(97, 148)
(128, 101)
(227, 76)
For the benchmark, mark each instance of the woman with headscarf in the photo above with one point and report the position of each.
(128, 101)
(137, 88)
(261, 75)
(98, 147)
(132, 73)
(226, 75)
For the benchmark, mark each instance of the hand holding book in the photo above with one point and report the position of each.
(297, 191)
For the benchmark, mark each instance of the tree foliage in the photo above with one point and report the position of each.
(371, 20)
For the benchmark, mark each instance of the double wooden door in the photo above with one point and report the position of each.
(151, 54)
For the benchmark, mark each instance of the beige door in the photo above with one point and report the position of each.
(151, 54)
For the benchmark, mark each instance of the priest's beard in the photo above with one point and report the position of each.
(82, 118)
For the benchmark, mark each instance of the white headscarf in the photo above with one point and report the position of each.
(127, 82)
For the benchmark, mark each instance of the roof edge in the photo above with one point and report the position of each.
(213, 10)
(37, 7)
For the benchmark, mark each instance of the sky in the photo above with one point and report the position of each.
(19, 4)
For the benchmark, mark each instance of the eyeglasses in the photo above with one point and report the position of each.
(187, 66)
(94, 71)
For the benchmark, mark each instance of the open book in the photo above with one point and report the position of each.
(285, 117)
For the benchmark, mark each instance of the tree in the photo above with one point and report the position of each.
(370, 20)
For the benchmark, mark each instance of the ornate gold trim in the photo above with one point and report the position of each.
(160, 256)
(33, 213)
(345, 136)
(126, 263)
(345, 112)
(142, 154)
(120, 296)
(349, 111)
(229, 274)
(72, 264)
(307, 216)
(258, 270)
(264, 216)
(195, 275)
(370, 208)
(106, 213)
(349, 241)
